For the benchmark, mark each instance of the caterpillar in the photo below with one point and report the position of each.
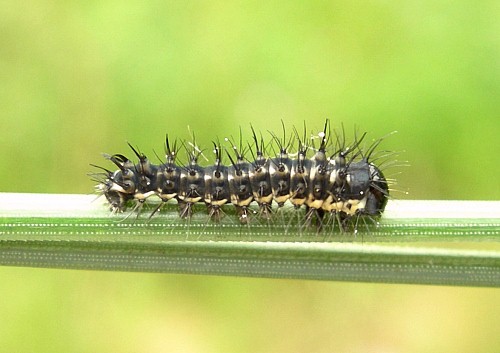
(320, 173)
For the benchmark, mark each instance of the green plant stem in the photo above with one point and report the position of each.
(425, 242)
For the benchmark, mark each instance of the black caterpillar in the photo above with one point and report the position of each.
(334, 178)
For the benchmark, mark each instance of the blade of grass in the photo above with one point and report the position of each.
(71, 231)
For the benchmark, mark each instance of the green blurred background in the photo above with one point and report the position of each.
(78, 78)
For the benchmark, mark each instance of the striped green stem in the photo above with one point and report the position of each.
(425, 242)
